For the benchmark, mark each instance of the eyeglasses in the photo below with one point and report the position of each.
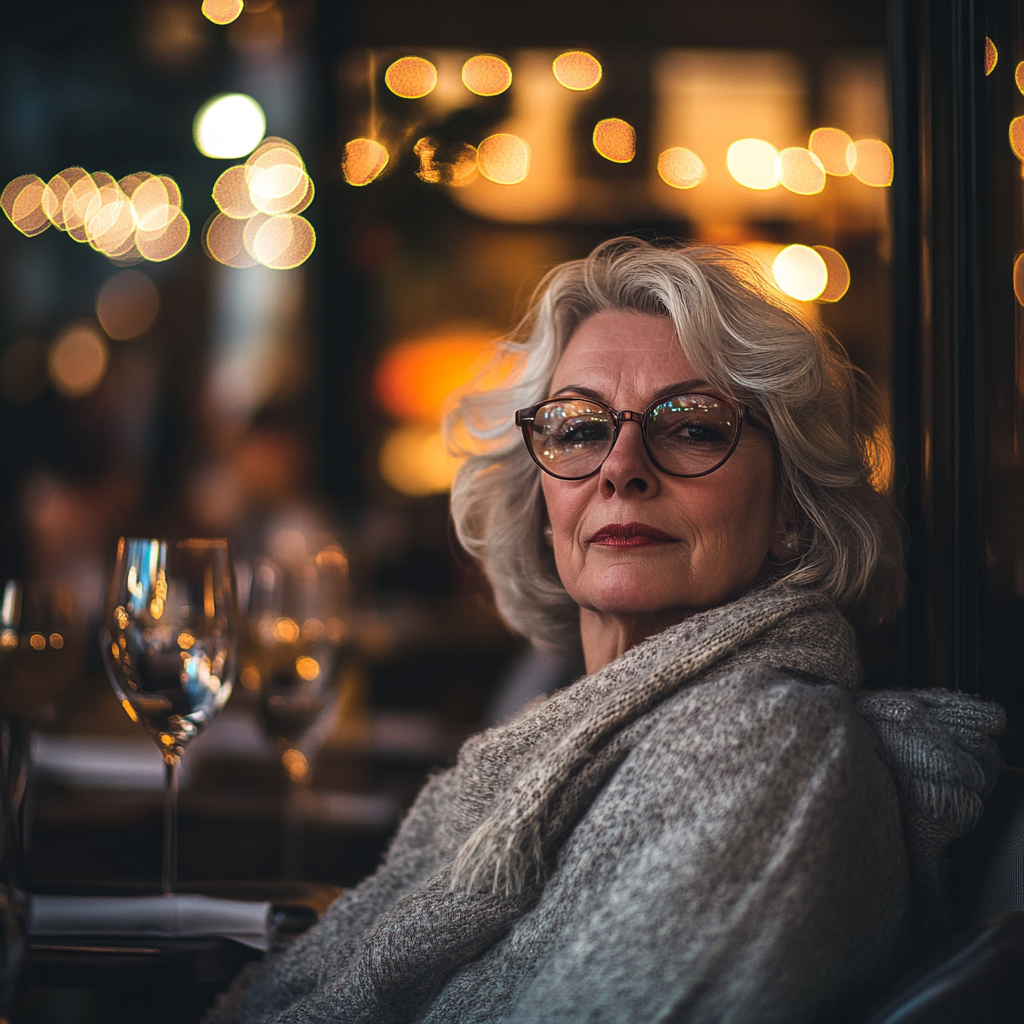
(684, 435)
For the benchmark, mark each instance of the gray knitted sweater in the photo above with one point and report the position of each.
(709, 829)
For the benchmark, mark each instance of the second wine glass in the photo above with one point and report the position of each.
(170, 640)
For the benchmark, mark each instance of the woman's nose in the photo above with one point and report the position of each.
(628, 470)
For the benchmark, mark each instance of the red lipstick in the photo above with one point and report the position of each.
(630, 535)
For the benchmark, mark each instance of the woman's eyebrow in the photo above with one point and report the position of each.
(679, 387)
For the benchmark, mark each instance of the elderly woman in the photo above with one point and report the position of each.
(708, 826)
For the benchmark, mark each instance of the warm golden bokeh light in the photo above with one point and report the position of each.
(222, 12)
(412, 78)
(228, 126)
(445, 164)
(277, 180)
(25, 201)
(835, 149)
(1018, 76)
(364, 159)
(873, 164)
(81, 196)
(838, 274)
(223, 241)
(615, 140)
(284, 241)
(1017, 137)
(77, 360)
(800, 272)
(164, 243)
(415, 461)
(577, 70)
(754, 163)
(307, 668)
(681, 168)
(504, 158)
(1018, 278)
(127, 305)
(231, 193)
(801, 171)
(295, 764)
(486, 75)
(991, 56)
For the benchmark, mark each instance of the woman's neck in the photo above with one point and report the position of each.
(607, 636)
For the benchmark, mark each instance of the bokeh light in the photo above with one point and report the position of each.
(838, 274)
(284, 241)
(412, 78)
(801, 171)
(231, 193)
(25, 202)
(222, 12)
(800, 272)
(127, 305)
(874, 165)
(1018, 76)
(681, 168)
(1018, 278)
(223, 241)
(577, 70)
(1017, 137)
(991, 56)
(881, 458)
(228, 126)
(835, 149)
(364, 159)
(164, 243)
(504, 158)
(486, 75)
(615, 140)
(77, 360)
(415, 461)
(277, 180)
(754, 163)
(445, 163)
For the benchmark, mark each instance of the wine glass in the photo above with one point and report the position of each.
(169, 641)
(297, 625)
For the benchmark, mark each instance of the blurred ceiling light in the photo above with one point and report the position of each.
(873, 165)
(223, 242)
(1017, 137)
(754, 163)
(991, 56)
(835, 149)
(364, 159)
(412, 78)
(801, 171)
(445, 164)
(1018, 76)
(222, 12)
(284, 241)
(228, 126)
(577, 70)
(486, 75)
(22, 371)
(838, 274)
(1018, 279)
(504, 158)
(127, 305)
(231, 193)
(77, 360)
(25, 202)
(615, 140)
(800, 272)
(681, 168)
(415, 461)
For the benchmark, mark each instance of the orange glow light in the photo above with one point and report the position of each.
(800, 272)
(577, 70)
(25, 201)
(991, 56)
(127, 305)
(835, 149)
(222, 12)
(1017, 137)
(486, 75)
(412, 78)
(873, 165)
(442, 164)
(754, 163)
(414, 461)
(284, 241)
(1018, 278)
(504, 158)
(838, 274)
(615, 140)
(231, 193)
(801, 171)
(681, 168)
(157, 246)
(1018, 76)
(77, 361)
(364, 159)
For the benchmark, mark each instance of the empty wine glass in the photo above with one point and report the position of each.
(169, 639)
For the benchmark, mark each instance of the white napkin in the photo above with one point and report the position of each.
(180, 916)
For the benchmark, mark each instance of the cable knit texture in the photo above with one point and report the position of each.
(708, 830)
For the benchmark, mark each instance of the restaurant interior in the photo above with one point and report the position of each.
(250, 253)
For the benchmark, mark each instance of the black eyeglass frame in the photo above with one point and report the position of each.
(525, 418)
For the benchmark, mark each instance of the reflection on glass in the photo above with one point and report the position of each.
(412, 78)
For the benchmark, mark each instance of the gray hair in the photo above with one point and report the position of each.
(745, 338)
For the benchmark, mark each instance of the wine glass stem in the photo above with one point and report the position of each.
(170, 866)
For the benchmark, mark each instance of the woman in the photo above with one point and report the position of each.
(706, 827)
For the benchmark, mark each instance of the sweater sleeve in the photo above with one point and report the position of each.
(745, 863)
(264, 989)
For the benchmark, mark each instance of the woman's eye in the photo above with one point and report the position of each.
(583, 431)
(695, 431)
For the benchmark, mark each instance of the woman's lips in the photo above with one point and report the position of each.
(630, 535)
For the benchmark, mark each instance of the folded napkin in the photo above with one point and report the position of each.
(180, 916)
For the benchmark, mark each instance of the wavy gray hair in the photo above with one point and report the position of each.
(744, 337)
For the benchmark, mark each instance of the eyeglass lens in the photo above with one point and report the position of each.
(687, 435)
